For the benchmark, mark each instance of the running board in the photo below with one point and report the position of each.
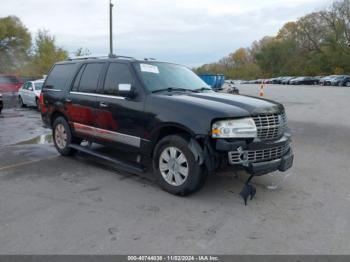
(120, 164)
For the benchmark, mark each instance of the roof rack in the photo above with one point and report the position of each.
(100, 57)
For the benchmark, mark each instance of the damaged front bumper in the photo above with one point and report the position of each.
(256, 157)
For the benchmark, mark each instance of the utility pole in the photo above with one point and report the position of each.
(110, 28)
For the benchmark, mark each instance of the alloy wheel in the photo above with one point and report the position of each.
(60, 136)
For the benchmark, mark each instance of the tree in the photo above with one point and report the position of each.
(45, 54)
(316, 44)
(15, 43)
(82, 52)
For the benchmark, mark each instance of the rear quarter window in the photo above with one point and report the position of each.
(60, 76)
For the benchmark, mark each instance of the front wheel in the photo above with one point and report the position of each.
(62, 136)
(20, 101)
(37, 104)
(175, 166)
(347, 84)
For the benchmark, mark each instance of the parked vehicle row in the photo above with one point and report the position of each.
(332, 80)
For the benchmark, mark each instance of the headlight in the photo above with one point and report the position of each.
(237, 128)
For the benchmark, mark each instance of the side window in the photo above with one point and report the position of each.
(25, 86)
(116, 74)
(77, 79)
(60, 76)
(89, 79)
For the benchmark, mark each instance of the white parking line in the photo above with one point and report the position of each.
(24, 163)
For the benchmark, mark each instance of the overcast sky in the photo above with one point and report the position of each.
(190, 32)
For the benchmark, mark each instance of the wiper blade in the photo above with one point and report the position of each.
(202, 89)
(172, 89)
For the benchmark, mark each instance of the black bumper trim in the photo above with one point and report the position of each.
(262, 168)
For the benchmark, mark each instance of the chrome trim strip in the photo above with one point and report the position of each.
(109, 135)
(97, 95)
(53, 90)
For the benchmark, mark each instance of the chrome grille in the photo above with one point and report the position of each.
(254, 156)
(270, 126)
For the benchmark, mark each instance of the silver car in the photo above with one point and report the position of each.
(29, 93)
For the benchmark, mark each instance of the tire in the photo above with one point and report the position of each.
(20, 101)
(37, 104)
(62, 136)
(171, 155)
(347, 84)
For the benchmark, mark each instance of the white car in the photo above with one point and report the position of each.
(29, 93)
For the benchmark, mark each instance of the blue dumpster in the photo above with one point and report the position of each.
(214, 80)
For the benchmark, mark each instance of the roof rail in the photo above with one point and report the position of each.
(99, 57)
(84, 58)
(150, 59)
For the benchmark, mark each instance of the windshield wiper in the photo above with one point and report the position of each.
(171, 89)
(202, 89)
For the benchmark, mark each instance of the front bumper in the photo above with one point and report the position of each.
(257, 157)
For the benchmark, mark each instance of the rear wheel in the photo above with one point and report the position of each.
(347, 84)
(175, 166)
(62, 136)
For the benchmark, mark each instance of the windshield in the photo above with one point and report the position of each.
(38, 85)
(159, 76)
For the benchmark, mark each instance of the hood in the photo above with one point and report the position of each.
(227, 104)
(197, 111)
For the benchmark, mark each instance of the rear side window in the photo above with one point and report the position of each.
(116, 74)
(77, 79)
(60, 76)
(89, 78)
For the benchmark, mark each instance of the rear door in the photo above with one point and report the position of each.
(31, 94)
(120, 119)
(81, 102)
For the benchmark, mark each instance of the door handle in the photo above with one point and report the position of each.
(103, 104)
(68, 100)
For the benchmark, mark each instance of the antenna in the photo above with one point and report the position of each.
(110, 28)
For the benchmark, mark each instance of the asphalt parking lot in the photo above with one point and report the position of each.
(56, 205)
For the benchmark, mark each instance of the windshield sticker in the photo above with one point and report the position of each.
(149, 68)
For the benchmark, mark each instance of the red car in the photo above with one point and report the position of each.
(9, 83)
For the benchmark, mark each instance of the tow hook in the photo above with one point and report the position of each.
(248, 190)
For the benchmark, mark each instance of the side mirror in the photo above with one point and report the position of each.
(126, 90)
(30, 88)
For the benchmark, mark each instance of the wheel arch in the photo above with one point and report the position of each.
(168, 129)
(55, 115)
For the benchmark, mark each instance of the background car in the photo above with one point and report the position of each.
(326, 81)
(342, 80)
(286, 80)
(9, 83)
(303, 80)
(346, 81)
(29, 93)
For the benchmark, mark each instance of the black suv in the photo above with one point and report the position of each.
(166, 113)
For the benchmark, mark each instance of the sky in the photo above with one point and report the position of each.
(190, 32)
